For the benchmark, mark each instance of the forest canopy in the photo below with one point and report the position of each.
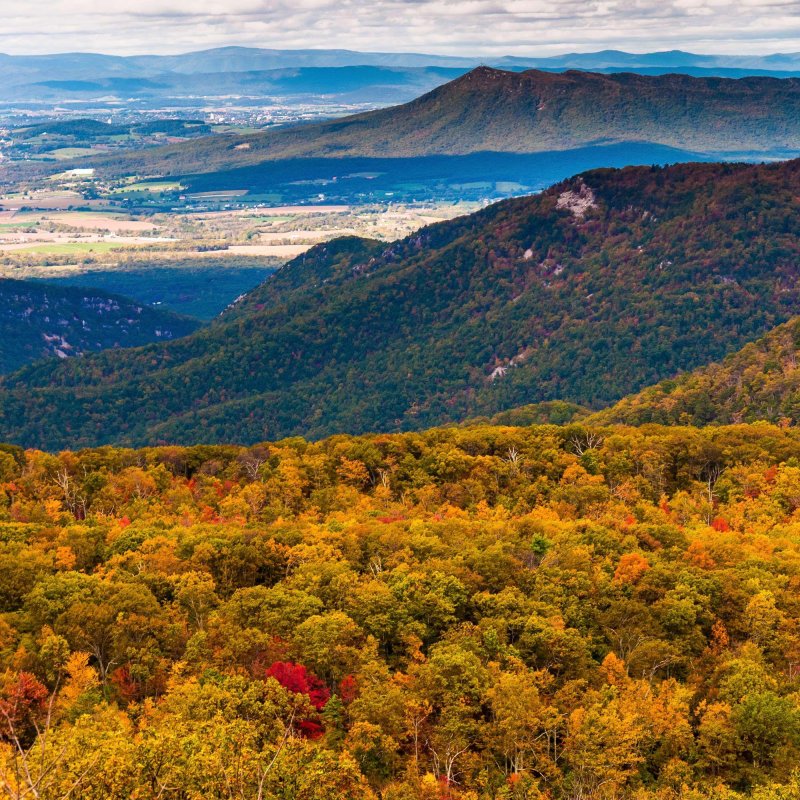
(482, 612)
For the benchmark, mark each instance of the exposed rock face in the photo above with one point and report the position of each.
(578, 201)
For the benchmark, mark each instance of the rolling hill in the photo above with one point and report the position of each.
(307, 85)
(594, 289)
(87, 129)
(489, 110)
(759, 382)
(27, 72)
(40, 321)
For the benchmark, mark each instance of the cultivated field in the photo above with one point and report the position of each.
(194, 263)
(40, 226)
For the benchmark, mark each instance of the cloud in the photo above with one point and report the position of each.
(468, 27)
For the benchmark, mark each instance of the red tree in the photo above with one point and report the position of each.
(296, 678)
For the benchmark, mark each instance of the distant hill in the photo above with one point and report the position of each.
(77, 129)
(759, 382)
(40, 321)
(592, 290)
(17, 69)
(357, 84)
(528, 112)
(81, 129)
(677, 60)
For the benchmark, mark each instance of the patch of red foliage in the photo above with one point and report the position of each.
(20, 700)
(348, 689)
(296, 678)
(391, 518)
(125, 685)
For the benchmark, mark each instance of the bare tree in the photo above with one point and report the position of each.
(588, 441)
(253, 459)
(75, 501)
(514, 459)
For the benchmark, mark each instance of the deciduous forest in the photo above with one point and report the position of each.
(470, 613)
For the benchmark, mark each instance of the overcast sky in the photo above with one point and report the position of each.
(468, 27)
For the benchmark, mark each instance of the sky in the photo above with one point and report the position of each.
(454, 27)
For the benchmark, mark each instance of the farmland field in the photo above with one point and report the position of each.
(191, 263)
(65, 248)
(156, 186)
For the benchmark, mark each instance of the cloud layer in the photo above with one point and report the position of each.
(463, 27)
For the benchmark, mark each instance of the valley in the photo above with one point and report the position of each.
(194, 263)
(383, 245)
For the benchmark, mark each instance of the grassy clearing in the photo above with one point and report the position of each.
(70, 248)
(264, 220)
(40, 217)
(270, 197)
(219, 195)
(64, 153)
(22, 224)
(155, 187)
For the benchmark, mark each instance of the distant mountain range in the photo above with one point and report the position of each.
(81, 66)
(347, 76)
(586, 293)
(39, 321)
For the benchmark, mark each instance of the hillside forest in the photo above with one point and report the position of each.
(596, 288)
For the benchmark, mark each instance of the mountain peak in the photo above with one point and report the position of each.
(495, 110)
(483, 75)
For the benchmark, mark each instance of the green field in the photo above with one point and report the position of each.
(221, 195)
(15, 226)
(155, 187)
(33, 218)
(64, 153)
(264, 220)
(269, 197)
(70, 248)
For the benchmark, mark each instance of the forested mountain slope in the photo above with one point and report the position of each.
(759, 382)
(494, 110)
(40, 321)
(588, 292)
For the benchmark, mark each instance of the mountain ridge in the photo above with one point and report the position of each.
(760, 382)
(490, 110)
(594, 289)
(244, 58)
